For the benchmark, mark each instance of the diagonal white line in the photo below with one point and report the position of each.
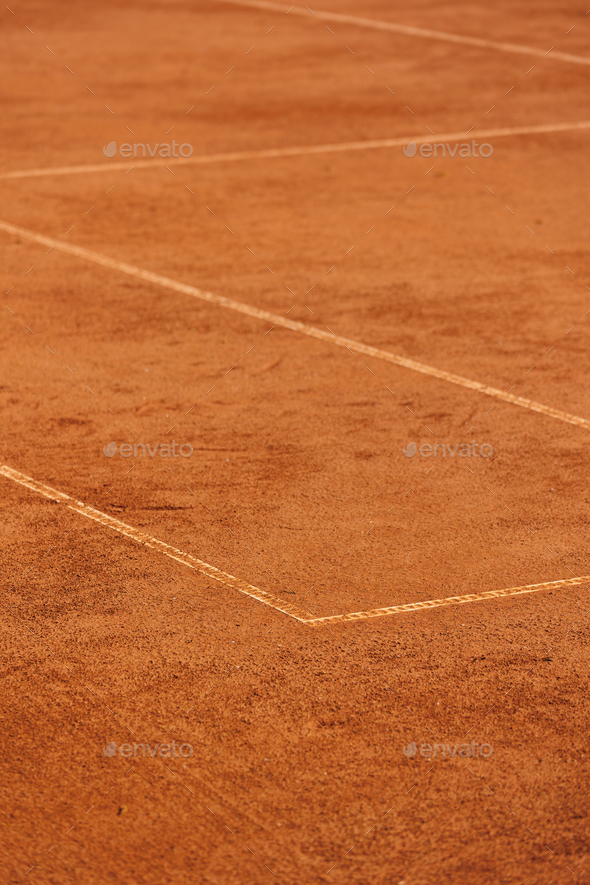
(148, 541)
(410, 31)
(449, 600)
(277, 153)
(293, 325)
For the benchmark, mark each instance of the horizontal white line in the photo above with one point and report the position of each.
(293, 325)
(450, 600)
(148, 541)
(270, 153)
(410, 31)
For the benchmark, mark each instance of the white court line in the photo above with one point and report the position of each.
(148, 541)
(293, 325)
(449, 600)
(248, 589)
(271, 153)
(409, 31)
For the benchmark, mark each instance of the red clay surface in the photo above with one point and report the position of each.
(298, 482)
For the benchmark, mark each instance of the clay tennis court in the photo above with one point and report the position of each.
(344, 638)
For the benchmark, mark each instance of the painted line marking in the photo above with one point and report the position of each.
(426, 33)
(148, 541)
(294, 325)
(450, 600)
(301, 151)
(228, 580)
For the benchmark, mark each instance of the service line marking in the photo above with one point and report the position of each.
(293, 325)
(148, 541)
(410, 31)
(270, 153)
(254, 592)
(449, 600)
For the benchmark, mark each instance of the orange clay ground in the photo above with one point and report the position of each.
(297, 506)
